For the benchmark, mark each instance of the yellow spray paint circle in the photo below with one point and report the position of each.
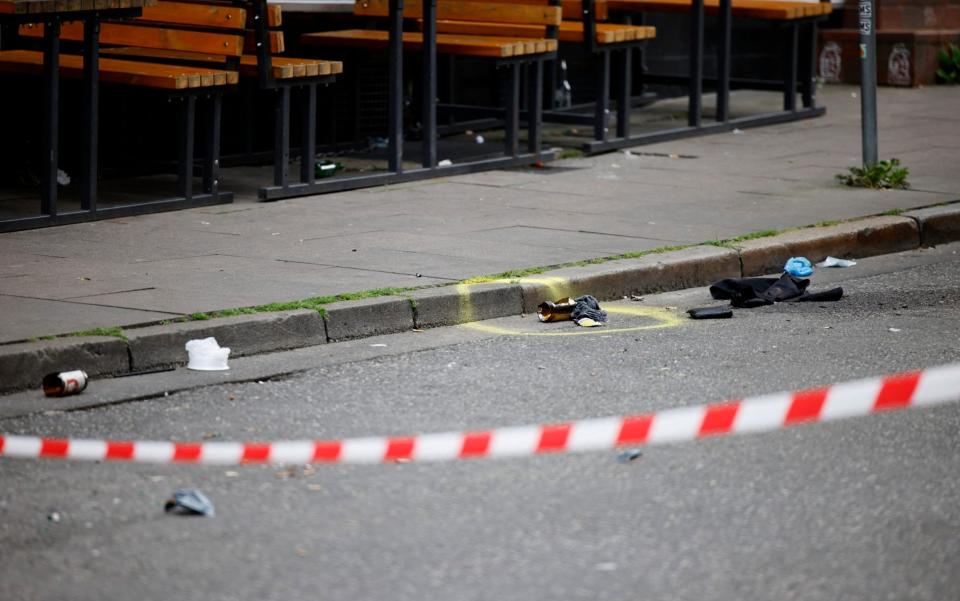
(662, 318)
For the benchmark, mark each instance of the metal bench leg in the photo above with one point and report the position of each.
(511, 99)
(723, 61)
(535, 107)
(808, 58)
(601, 109)
(211, 162)
(308, 135)
(429, 118)
(395, 91)
(91, 113)
(281, 138)
(51, 108)
(185, 169)
(695, 101)
(626, 94)
(790, 70)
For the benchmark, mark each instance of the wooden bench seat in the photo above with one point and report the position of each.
(468, 45)
(748, 9)
(134, 73)
(217, 31)
(283, 67)
(570, 31)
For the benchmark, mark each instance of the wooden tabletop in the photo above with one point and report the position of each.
(22, 7)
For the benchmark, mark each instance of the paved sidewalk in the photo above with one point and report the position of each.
(143, 269)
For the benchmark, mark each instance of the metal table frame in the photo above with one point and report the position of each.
(396, 172)
(90, 127)
(792, 79)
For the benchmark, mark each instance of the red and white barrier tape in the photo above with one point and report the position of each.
(928, 387)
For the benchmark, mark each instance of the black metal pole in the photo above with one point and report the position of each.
(868, 82)
(91, 117)
(429, 117)
(395, 74)
(695, 110)
(308, 135)
(281, 137)
(51, 108)
(723, 60)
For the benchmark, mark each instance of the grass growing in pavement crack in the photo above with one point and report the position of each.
(116, 332)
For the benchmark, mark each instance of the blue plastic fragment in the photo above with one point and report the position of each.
(190, 502)
(798, 267)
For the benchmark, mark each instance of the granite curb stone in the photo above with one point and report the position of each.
(685, 268)
(368, 317)
(938, 225)
(862, 238)
(451, 305)
(163, 345)
(24, 364)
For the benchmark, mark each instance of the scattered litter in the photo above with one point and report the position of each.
(379, 344)
(584, 311)
(798, 267)
(314, 487)
(607, 566)
(479, 139)
(710, 313)
(325, 168)
(611, 177)
(419, 275)
(747, 293)
(416, 330)
(62, 178)
(629, 455)
(737, 131)
(207, 355)
(83, 278)
(379, 142)
(827, 327)
(445, 163)
(853, 94)
(204, 223)
(300, 552)
(54, 516)
(275, 234)
(64, 383)
(402, 460)
(674, 156)
(893, 329)
(835, 262)
(615, 166)
(586, 322)
(630, 155)
(636, 298)
(189, 502)
(231, 474)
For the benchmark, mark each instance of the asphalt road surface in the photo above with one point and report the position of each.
(867, 508)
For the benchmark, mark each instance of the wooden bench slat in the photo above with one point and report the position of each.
(284, 67)
(123, 34)
(756, 9)
(467, 45)
(531, 14)
(277, 45)
(188, 13)
(118, 71)
(570, 31)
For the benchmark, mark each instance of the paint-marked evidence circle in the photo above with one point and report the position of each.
(652, 318)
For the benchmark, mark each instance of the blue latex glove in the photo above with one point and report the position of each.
(798, 267)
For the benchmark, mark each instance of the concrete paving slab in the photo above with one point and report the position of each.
(23, 318)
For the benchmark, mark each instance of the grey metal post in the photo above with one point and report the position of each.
(868, 81)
